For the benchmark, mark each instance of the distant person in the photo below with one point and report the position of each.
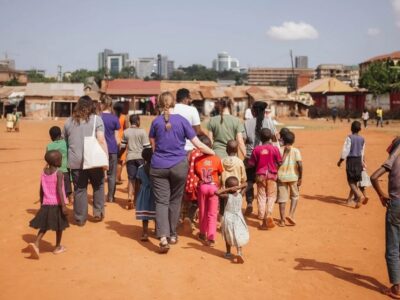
(392, 204)
(145, 205)
(111, 132)
(290, 176)
(59, 144)
(124, 124)
(353, 153)
(16, 119)
(267, 159)
(134, 140)
(52, 214)
(234, 228)
(379, 117)
(251, 134)
(76, 128)
(365, 117)
(248, 115)
(334, 113)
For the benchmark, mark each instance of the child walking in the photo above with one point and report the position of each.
(208, 168)
(233, 165)
(134, 140)
(353, 153)
(145, 204)
(58, 143)
(52, 212)
(289, 178)
(267, 159)
(234, 228)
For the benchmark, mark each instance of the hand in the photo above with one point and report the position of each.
(339, 163)
(287, 149)
(384, 200)
(299, 182)
(64, 210)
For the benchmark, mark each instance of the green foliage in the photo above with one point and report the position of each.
(12, 82)
(34, 76)
(126, 72)
(381, 77)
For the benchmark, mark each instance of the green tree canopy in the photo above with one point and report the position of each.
(34, 76)
(381, 77)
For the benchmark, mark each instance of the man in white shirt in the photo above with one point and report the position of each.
(190, 113)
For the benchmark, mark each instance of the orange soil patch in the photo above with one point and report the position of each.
(335, 251)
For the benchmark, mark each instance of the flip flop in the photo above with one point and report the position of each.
(239, 259)
(34, 250)
(281, 224)
(291, 221)
(228, 255)
(60, 250)
(144, 238)
(389, 292)
(365, 200)
(270, 222)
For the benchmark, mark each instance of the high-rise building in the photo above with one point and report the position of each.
(346, 74)
(224, 62)
(170, 68)
(165, 67)
(144, 66)
(112, 62)
(301, 62)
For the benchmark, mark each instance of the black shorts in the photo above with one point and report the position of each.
(132, 167)
(354, 169)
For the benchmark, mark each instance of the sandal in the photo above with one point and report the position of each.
(144, 238)
(59, 250)
(228, 255)
(164, 246)
(291, 221)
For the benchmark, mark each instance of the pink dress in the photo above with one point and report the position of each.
(49, 187)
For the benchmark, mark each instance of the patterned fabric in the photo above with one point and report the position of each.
(192, 179)
(145, 203)
(49, 187)
(234, 228)
(288, 171)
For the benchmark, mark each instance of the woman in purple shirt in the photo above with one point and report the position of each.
(169, 167)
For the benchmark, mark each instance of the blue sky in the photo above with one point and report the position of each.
(47, 33)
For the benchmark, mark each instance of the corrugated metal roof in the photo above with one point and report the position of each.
(131, 87)
(326, 85)
(54, 89)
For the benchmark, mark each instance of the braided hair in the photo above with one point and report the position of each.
(166, 101)
(222, 104)
(258, 110)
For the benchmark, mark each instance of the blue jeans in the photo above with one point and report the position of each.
(392, 254)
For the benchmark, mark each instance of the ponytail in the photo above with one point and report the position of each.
(222, 104)
(166, 101)
(258, 110)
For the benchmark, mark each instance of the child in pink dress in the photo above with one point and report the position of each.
(52, 212)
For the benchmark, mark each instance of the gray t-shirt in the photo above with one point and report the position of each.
(74, 134)
(250, 133)
(393, 166)
(135, 139)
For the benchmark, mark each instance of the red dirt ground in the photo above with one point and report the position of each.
(335, 251)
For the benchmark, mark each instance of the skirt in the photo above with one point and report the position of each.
(49, 217)
(354, 169)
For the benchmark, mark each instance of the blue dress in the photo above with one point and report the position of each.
(145, 204)
(234, 227)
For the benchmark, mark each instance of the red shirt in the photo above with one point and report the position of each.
(208, 168)
(265, 158)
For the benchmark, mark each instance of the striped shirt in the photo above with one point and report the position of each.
(288, 171)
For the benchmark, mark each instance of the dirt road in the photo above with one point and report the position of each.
(335, 251)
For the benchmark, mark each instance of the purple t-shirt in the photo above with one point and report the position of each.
(170, 144)
(111, 124)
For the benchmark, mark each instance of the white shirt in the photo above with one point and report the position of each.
(365, 116)
(248, 115)
(191, 114)
(347, 147)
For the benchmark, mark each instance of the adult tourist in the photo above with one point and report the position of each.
(124, 124)
(111, 132)
(365, 117)
(248, 115)
(78, 126)
(260, 119)
(169, 167)
(225, 127)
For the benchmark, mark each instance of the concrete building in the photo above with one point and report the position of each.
(274, 76)
(7, 62)
(112, 62)
(301, 62)
(7, 74)
(144, 66)
(346, 74)
(165, 67)
(394, 56)
(224, 62)
(170, 67)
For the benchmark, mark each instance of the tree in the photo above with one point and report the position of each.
(381, 77)
(12, 82)
(126, 72)
(34, 76)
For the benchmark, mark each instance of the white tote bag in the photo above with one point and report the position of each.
(93, 154)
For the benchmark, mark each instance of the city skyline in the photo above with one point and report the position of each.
(45, 34)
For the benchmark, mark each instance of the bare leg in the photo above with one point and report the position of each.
(351, 196)
(119, 172)
(145, 234)
(58, 238)
(240, 259)
(282, 208)
(39, 237)
(131, 186)
(293, 206)
(228, 253)
(357, 193)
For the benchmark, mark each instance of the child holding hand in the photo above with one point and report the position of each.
(52, 212)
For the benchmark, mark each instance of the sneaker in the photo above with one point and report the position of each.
(173, 240)
(164, 246)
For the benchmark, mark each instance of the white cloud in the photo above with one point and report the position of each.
(290, 31)
(396, 8)
(373, 31)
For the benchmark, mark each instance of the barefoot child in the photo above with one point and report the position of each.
(267, 159)
(353, 153)
(59, 144)
(134, 140)
(289, 178)
(52, 212)
(208, 168)
(234, 227)
(145, 205)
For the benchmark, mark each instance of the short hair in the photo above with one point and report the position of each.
(288, 138)
(231, 146)
(265, 135)
(134, 119)
(355, 127)
(283, 131)
(182, 94)
(55, 133)
(205, 140)
(147, 153)
(231, 181)
(53, 158)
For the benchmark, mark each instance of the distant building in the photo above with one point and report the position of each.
(346, 74)
(170, 68)
(144, 66)
(112, 62)
(301, 62)
(275, 76)
(8, 74)
(395, 57)
(165, 67)
(224, 62)
(9, 63)
(37, 71)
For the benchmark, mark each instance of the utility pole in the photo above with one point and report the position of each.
(292, 83)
